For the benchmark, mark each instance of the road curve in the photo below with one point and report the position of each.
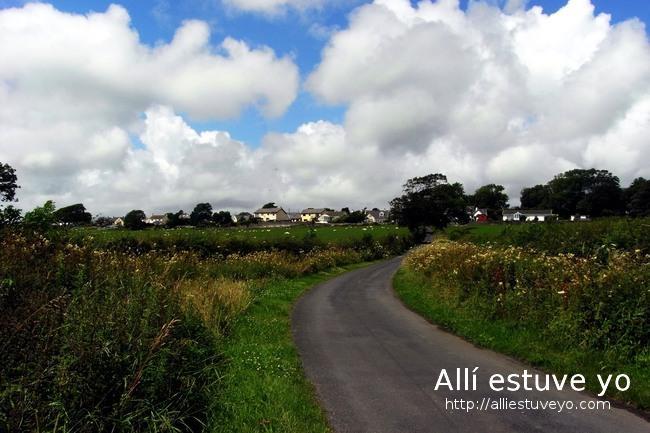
(374, 364)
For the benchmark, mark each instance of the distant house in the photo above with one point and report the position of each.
(480, 215)
(294, 217)
(578, 218)
(118, 222)
(377, 216)
(310, 214)
(157, 220)
(329, 217)
(242, 217)
(271, 214)
(527, 215)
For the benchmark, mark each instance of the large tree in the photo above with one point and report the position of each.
(536, 197)
(74, 214)
(491, 197)
(8, 182)
(41, 217)
(134, 220)
(201, 214)
(222, 218)
(429, 201)
(637, 198)
(590, 192)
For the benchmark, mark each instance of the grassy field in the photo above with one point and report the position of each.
(323, 233)
(582, 238)
(565, 312)
(97, 338)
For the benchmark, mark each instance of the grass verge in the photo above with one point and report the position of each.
(526, 343)
(264, 388)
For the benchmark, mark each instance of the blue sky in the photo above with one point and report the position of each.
(288, 35)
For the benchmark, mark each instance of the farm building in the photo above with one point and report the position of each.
(528, 215)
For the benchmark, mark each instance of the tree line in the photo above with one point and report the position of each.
(433, 201)
(426, 201)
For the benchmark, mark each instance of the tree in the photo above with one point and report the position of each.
(42, 217)
(429, 201)
(134, 220)
(9, 216)
(201, 214)
(637, 198)
(536, 197)
(269, 205)
(8, 182)
(222, 219)
(74, 214)
(591, 192)
(103, 221)
(491, 197)
(346, 210)
(356, 217)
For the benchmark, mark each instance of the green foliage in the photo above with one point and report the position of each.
(637, 198)
(134, 220)
(9, 216)
(8, 182)
(222, 219)
(41, 218)
(580, 238)
(74, 214)
(269, 205)
(429, 201)
(97, 337)
(589, 192)
(201, 215)
(491, 197)
(599, 303)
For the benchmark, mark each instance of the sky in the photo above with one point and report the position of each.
(160, 105)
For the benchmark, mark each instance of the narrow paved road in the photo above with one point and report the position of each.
(375, 364)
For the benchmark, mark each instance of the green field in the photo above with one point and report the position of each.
(325, 234)
(164, 330)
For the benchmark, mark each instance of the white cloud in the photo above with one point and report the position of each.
(273, 7)
(521, 93)
(486, 95)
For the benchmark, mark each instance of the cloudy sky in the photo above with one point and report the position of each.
(159, 105)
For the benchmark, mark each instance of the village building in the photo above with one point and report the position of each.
(528, 215)
(271, 214)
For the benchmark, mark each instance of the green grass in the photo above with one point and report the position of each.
(526, 343)
(324, 233)
(264, 388)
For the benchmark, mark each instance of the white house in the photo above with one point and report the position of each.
(577, 218)
(527, 215)
(310, 214)
(329, 216)
(157, 220)
(271, 214)
(377, 216)
(118, 222)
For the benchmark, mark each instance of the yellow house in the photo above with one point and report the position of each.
(310, 214)
(271, 214)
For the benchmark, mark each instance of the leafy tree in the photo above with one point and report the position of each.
(9, 216)
(429, 201)
(269, 205)
(536, 197)
(346, 210)
(103, 221)
(201, 214)
(8, 182)
(491, 197)
(42, 217)
(222, 218)
(592, 192)
(134, 220)
(74, 214)
(637, 198)
(356, 217)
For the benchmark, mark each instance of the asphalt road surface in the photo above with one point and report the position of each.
(375, 364)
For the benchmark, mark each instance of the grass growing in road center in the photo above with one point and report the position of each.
(264, 388)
